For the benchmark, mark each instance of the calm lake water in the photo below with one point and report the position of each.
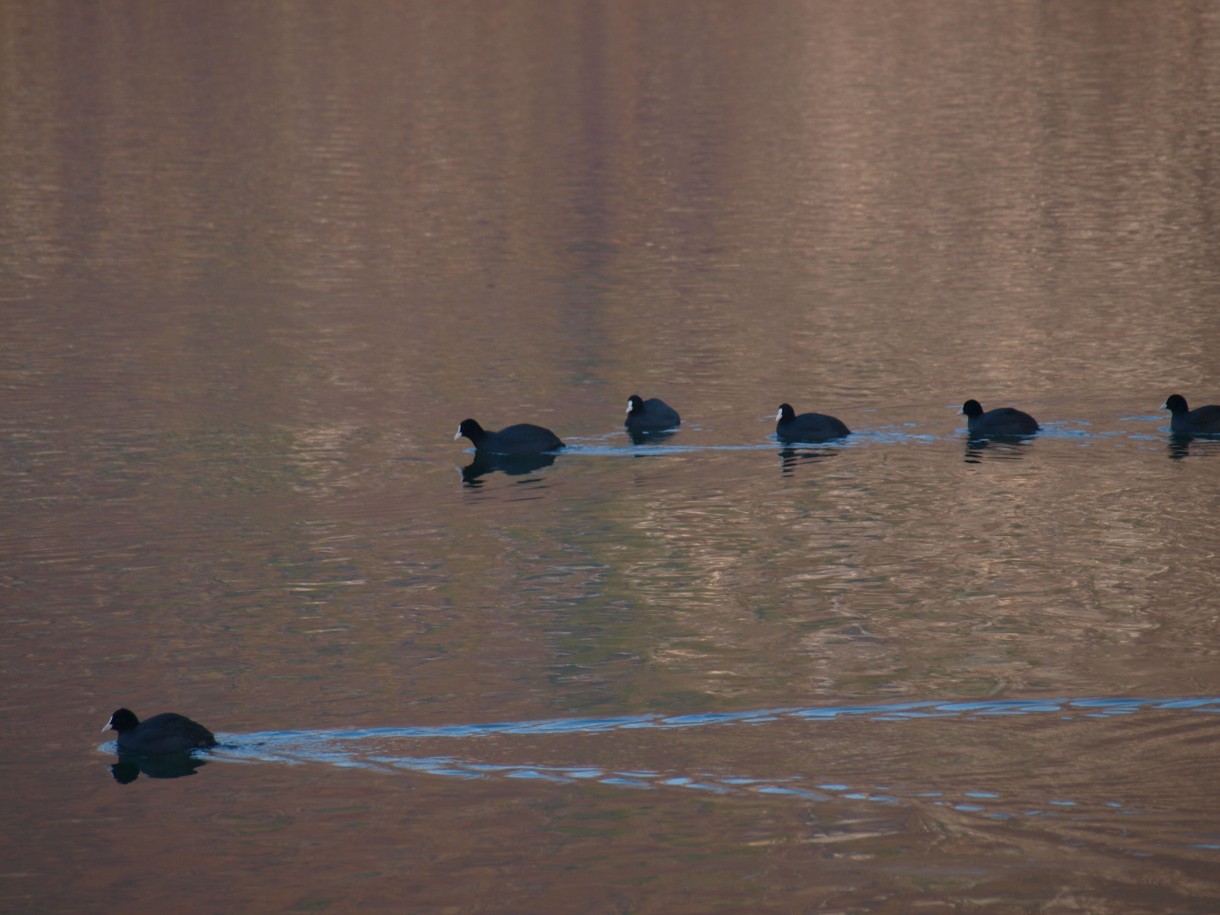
(258, 260)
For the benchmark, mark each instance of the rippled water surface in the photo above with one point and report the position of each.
(256, 263)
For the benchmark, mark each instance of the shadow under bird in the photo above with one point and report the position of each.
(159, 735)
(1000, 421)
(651, 415)
(1185, 421)
(807, 427)
(523, 438)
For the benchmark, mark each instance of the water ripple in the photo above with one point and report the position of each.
(366, 749)
(1090, 707)
(342, 748)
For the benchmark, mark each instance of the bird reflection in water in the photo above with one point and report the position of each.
(510, 464)
(996, 447)
(791, 458)
(171, 765)
(1182, 445)
(644, 437)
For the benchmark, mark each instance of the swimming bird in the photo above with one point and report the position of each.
(523, 438)
(808, 427)
(1185, 421)
(651, 415)
(1000, 421)
(159, 735)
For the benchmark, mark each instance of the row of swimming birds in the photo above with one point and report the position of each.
(655, 415)
(170, 733)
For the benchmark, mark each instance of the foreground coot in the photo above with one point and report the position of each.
(1001, 421)
(808, 427)
(651, 415)
(159, 735)
(523, 438)
(1199, 421)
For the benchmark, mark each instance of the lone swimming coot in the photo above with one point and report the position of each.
(1001, 421)
(808, 427)
(159, 735)
(651, 415)
(523, 438)
(1199, 421)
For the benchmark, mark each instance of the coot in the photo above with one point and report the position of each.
(808, 427)
(159, 735)
(1000, 421)
(651, 415)
(1199, 421)
(523, 438)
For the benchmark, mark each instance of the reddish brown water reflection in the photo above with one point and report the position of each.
(256, 262)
